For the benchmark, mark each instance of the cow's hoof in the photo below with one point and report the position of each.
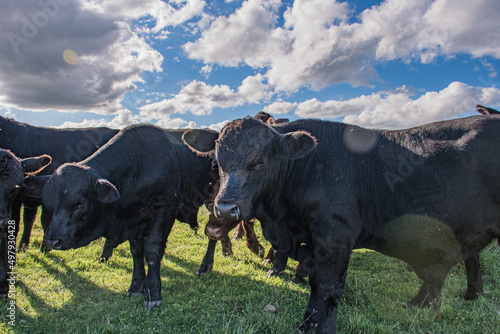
(472, 295)
(306, 327)
(298, 280)
(266, 261)
(133, 294)
(103, 259)
(202, 270)
(44, 249)
(272, 273)
(149, 305)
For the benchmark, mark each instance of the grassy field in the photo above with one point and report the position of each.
(71, 292)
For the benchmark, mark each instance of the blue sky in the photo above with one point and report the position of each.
(194, 63)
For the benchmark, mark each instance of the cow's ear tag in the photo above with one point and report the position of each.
(297, 144)
(106, 192)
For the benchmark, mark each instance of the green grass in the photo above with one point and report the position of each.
(71, 292)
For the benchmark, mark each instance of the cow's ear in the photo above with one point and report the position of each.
(33, 185)
(31, 166)
(105, 191)
(297, 144)
(201, 142)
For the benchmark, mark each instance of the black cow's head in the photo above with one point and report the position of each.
(12, 173)
(75, 196)
(251, 157)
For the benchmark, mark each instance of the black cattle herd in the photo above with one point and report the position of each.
(428, 195)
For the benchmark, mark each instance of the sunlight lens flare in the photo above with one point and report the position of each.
(71, 57)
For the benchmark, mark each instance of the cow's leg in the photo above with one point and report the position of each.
(29, 217)
(332, 248)
(8, 237)
(279, 264)
(154, 248)
(208, 260)
(430, 289)
(107, 251)
(45, 221)
(300, 274)
(227, 247)
(239, 231)
(4, 267)
(139, 273)
(474, 278)
(270, 256)
(252, 241)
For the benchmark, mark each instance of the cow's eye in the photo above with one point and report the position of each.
(257, 166)
(80, 206)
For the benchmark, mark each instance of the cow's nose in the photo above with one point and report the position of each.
(53, 243)
(227, 211)
(215, 233)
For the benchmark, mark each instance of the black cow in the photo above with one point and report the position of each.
(429, 196)
(63, 145)
(12, 173)
(133, 188)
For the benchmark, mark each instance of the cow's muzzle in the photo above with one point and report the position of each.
(53, 243)
(227, 211)
(215, 232)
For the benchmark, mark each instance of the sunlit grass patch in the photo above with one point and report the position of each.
(72, 292)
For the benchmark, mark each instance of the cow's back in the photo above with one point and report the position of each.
(63, 145)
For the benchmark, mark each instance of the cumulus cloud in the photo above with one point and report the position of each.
(200, 98)
(163, 13)
(399, 109)
(320, 42)
(280, 107)
(60, 54)
(123, 119)
(239, 37)
(196, 97)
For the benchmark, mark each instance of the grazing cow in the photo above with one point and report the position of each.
(63, 145)
(486, 111)
(133, 188)
(12, 173)
(426, 195)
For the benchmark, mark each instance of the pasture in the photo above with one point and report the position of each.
(71, 292)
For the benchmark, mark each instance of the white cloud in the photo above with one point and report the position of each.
(200, 98)
(196, 97)
(280, 107)
(164, 13)
(106, 57)
(175, 123)
(123, 119)
(253, 90)
(237, 38)
(206, 70)
(397, 109)
(320, 43)
(218, 126)
(10, 114)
